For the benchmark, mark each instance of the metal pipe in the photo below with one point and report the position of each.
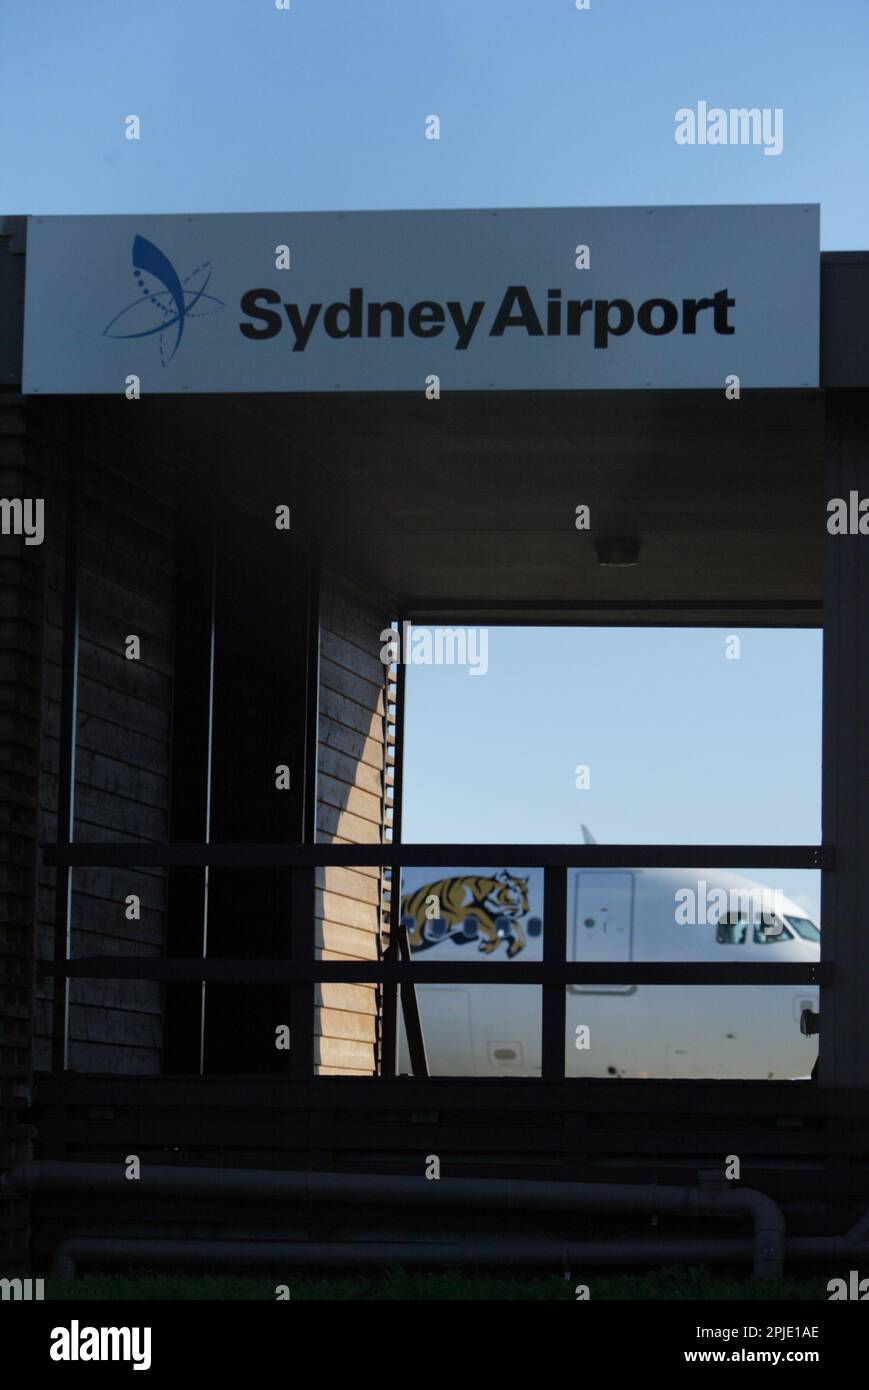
(769, 1225)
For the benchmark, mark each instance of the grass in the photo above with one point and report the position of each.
(671, 1283)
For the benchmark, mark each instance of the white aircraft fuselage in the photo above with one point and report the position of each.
(699, 1031)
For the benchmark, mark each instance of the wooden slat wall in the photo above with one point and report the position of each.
(350, 810)
(123, 766)
(122, 774)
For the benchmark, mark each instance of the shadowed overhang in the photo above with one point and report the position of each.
(466, 506)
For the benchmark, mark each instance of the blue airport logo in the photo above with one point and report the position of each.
(165, 302)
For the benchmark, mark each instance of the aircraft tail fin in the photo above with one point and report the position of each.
(587, 837)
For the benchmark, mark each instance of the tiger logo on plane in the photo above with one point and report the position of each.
(458, 899)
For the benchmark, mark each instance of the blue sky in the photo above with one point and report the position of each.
(682, 744)
(245, 107)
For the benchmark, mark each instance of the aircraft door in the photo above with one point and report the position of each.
(603, 922)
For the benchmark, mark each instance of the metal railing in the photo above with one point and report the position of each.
(302, 971)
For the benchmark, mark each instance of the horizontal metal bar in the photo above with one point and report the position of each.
(153, 854)
(430, 972)
(580, 617)
(452, 607)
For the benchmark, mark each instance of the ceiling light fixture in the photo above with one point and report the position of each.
(617, 552)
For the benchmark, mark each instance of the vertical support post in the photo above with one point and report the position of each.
(410, 1012)
(389, 1018)
(184, 1004)
(66, 764)
(554, 953)
(843, 1056)
(312, 698)
(389, 1014)
(398, 786)
(302, 995)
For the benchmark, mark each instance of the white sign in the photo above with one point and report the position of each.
(548, 299)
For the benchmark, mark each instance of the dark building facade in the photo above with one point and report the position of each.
(258, 712)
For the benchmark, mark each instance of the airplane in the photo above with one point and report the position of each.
(616, 1030)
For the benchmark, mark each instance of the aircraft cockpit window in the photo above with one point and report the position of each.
(731, 931)
(770, 933)
(804, 928)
